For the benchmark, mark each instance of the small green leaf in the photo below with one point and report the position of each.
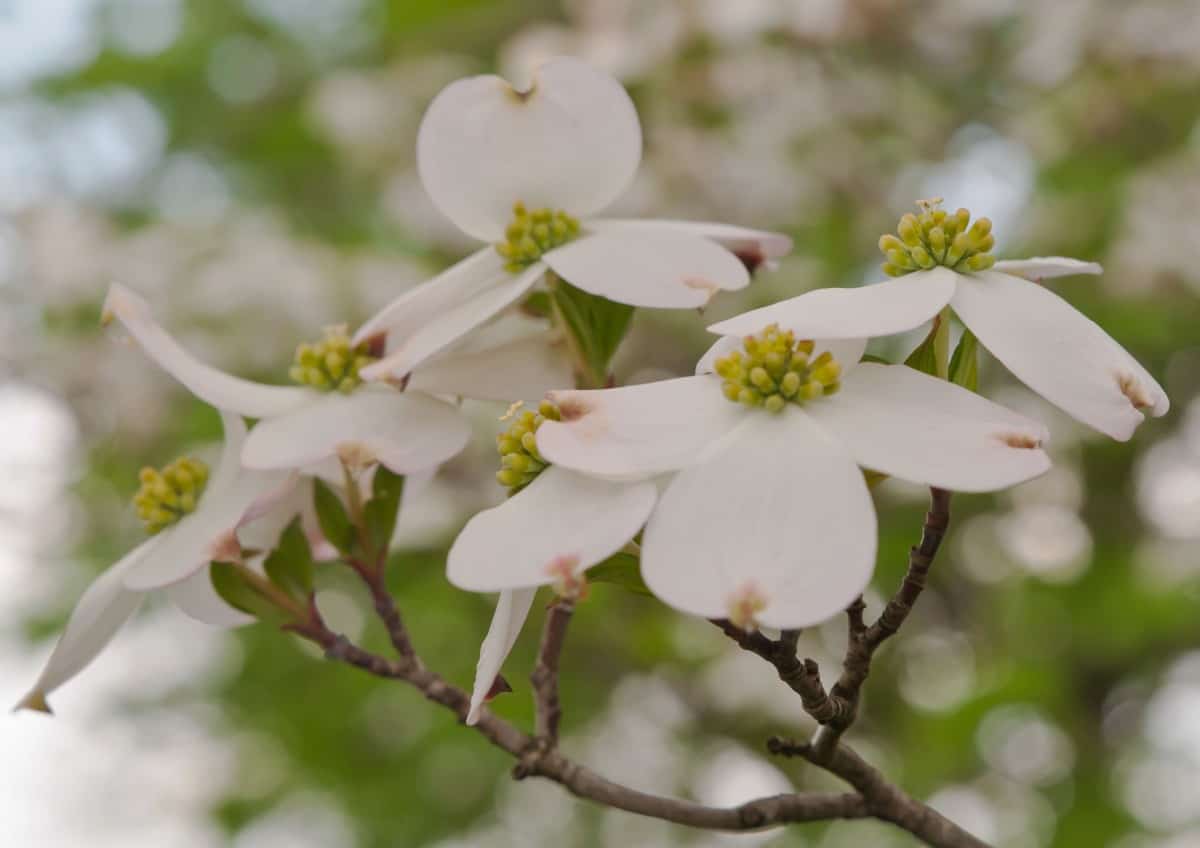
(383, 509)
(879, 360)
(924, 357)
(290, 565)
(331, 515)
(231, 585)
(964, 365)
(597, 326)
(620, 569)
(538, 304)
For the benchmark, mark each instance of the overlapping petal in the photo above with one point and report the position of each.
(196, 598)
(780, 514)
(525, 368)
(1046, 267)
(571, 142)
(562, 519)
(511, 611)
(1058, 352)
(753, 246)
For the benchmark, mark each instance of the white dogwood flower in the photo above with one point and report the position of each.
(555, 525)
(192, 520)
(769, 520)
(942, 260)
(525, 171)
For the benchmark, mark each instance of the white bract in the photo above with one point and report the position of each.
(769, 520)
(1045, 342)
(236, 508)
(555, 525)
(525, 171)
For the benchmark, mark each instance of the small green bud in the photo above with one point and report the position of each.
(981, 262)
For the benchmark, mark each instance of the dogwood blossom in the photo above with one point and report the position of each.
(524, 170)
(554, 526)
(193, 521)
(942, 260)
(768, 520)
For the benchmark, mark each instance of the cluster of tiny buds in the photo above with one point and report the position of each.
(936, 237)
(332, 364)
(520, 462)
(774, 369)
(531, 234)
(168, 495)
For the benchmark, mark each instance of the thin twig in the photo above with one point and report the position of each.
(545, 673)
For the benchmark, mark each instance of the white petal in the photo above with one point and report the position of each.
(663, 270)
(782, 511)
(562, 517)
(229, 466)
(99, 614)
(1046, 267)
(406, 431)
(847, 352)
(205, 382)
(439, 331)
(196, 597)
(754, 246)
(910, 425)
(511, 612)
(523, 369)
(572, 142)
(880, 309)
(638, 431)
(1058, 352)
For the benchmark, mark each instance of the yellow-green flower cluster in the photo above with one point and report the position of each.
(520, 462)
(331, 364)
(530, 234)
(168, 495)
(936, 237)
(774, 369)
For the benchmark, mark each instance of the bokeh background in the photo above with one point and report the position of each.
(248, 164)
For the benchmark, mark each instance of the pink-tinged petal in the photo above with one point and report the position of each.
(406, 431)
(205, 382)
(753, 247)
(571, 142)
(778, 524)
(909, 425)
(439, 331)
(511, 611)
(196, 598)
(847, 352)
(865, 312)
(1046, 267)
(638, 431)
(1058, 352)
(657, 269)
(99, 614)
(522, 369)
(561, 520)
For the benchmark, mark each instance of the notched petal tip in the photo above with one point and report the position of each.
(356, 456)
(1141, 399)
(226, 548)
(35, 702)
(570, 407)
(1021, 441)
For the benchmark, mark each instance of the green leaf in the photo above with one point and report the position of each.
(331, 515)
(538, 304)
(231, 585)
(924, 357)
(383, 509)
(870, 357)
(964, 365)
(596, 325)
(290, 565)
(620, 569)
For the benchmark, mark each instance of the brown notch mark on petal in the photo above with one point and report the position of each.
(226, 548)
(745, 603)
(752, 257)
(571, 408)
(701, 284)
(1132, 389)
(1022, 441)
(569, 582)
(520, 95)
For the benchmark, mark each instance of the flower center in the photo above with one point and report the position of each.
(532, 233)
(520, 462)
(774, 369)
(935, 237)
(330, 364)
(167, 495)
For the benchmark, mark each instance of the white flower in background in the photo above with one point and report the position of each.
(192, 520)
(769, 520)
(524, 171)
(332, 414)
(943, 260)
(555, 525)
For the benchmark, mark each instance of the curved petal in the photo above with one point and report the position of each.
(229, 466)
(571, 142)
(665, 270)
(638, 431)
(880, 309)
(562, 517)
(1058, 352)
(900, 422)
(1046, 267)
(847, 352)
(406, 431)
(523, 369)
(439, 331)
(753, 247)
(511, 611)
(99, 614)
(196, 597)
(780, 516)
(205, 382)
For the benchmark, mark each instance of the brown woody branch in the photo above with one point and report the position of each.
(545, 672)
